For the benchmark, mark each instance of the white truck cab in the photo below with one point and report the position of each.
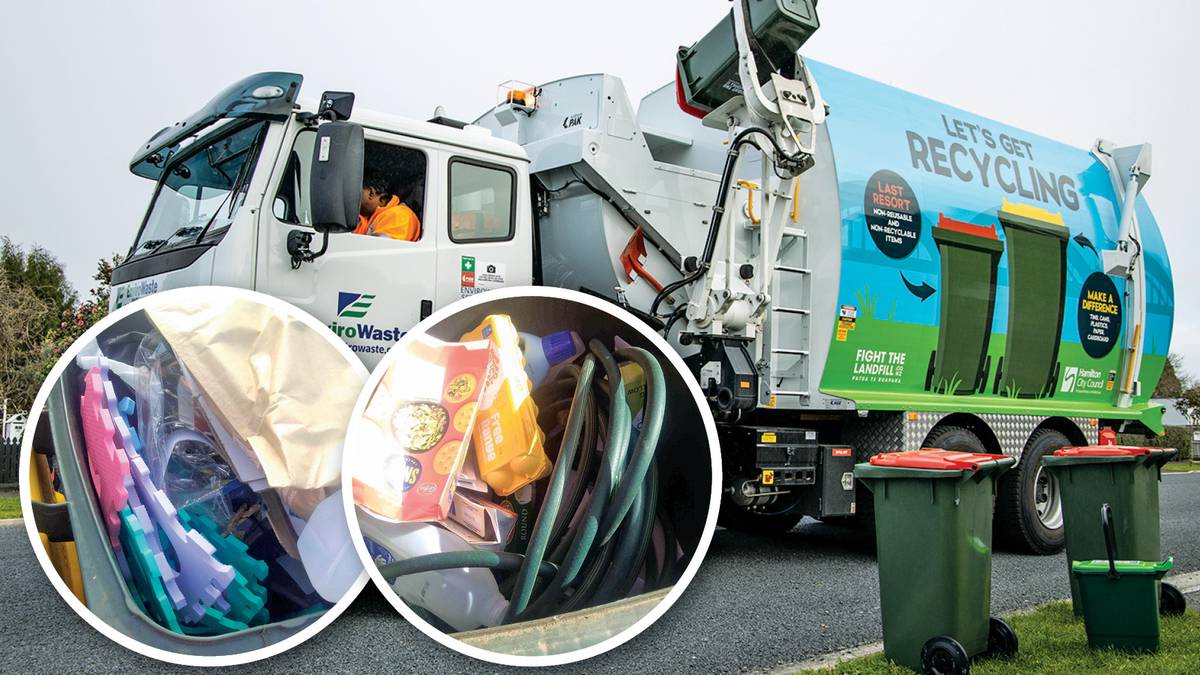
(233, 186)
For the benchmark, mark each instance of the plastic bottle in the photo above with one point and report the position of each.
(465, 598)
(544, 354)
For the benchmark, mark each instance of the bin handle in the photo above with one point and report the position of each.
(1110, 540)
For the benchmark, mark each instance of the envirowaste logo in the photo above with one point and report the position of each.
(354, 305)
(351, 309)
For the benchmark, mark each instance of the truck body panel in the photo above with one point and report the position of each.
(881, 355)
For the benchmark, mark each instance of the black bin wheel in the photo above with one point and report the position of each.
(943, 655)
(1002, 641)
(1170, 601)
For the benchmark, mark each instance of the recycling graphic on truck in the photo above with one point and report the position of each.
(971, 269)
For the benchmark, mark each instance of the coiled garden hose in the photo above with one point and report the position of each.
(501, 562)
(577, 559)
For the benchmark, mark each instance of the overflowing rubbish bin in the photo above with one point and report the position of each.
(970, 255)
(1037, 281)
(1119, 599)
(933, 520)
(1127, 479)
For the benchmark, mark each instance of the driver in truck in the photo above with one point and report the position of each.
(383, 214)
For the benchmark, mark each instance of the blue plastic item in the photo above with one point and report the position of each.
(543, 354)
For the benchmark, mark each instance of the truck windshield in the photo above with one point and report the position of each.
(201, 193)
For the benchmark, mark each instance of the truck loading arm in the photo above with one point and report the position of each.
(780, 119)
(1129, 168)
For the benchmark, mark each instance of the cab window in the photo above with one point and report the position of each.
(201, 192)
(482, 201)
(393, 177)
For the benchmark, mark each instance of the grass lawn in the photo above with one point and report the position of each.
(10, 505)
(1180, 467)
(1053, 641)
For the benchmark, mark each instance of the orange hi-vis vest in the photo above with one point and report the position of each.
(394, 220)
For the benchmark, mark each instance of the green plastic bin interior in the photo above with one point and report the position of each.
(1121, 612)
(934, 542)
(1037, 282)
(1129, 484)
(104, 589)
(708, 69)
(968, 296)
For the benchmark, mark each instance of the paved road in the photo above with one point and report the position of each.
(756, 604)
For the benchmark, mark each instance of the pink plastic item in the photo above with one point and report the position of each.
(107, 462)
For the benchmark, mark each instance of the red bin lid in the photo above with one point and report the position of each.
(1103, 451)
(985, 231)
(927, 458)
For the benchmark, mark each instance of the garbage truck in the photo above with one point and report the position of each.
(848, 268)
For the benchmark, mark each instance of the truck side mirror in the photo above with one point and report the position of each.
(335, 183)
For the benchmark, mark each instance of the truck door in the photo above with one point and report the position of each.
(485, 237)
(368, 289)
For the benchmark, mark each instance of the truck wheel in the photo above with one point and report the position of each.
(958, 439)
(769, 521)
(1029, 515)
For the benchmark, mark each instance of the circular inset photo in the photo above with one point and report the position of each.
(182, 485)
(531, 476)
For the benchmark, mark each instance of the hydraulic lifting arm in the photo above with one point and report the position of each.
(1129, 169)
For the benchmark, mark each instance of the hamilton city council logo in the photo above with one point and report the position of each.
(353, 305)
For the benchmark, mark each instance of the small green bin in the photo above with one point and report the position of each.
(933, 521)
(970, 255)
(1120, 598)
(1126, 478)
(1037, 284)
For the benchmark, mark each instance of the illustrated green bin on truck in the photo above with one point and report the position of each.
(970, 254)
(1037, 268)
(806, 285)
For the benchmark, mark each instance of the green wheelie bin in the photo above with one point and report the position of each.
(970, 255)
(1127, 479)
(933, 523)
(1037, 282)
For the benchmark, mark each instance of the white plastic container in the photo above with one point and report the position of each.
(326, 550)
(465, 598)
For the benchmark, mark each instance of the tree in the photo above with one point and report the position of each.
(74, 322)
(23, 316)
(1174, 380)
(40, 272)
(40, 316)
(1188, 404)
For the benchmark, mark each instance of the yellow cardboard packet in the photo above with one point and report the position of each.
(508, 441)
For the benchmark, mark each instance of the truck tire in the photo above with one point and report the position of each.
(743, 519)
(1028, 503)
(958, 439)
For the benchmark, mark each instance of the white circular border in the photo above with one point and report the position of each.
(698, 555)
(208, 294)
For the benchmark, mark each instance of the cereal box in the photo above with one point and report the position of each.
(414, 434)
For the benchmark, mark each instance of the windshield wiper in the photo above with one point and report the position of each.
(241, 180)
